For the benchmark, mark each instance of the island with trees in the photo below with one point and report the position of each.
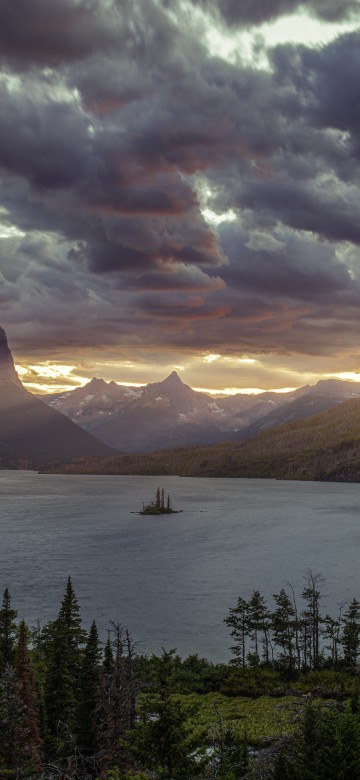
(159, 506)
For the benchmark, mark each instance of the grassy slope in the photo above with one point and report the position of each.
(326, 446)
(262, 719)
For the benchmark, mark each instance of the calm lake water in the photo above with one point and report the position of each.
(172, 580)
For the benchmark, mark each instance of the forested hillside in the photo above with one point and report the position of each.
(285, 708)
(322, 447)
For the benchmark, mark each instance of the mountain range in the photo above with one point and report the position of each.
(171, 414)
(103, 418)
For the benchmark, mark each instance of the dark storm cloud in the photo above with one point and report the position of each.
(252, 12)
(121, 123)
(327, 82)
(310, 209)
(47, 32)
(42, 140)
(293, 266)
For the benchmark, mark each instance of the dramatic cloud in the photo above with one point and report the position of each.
(161, 198)
(252, 12)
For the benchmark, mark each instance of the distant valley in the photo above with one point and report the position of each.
(322, 447)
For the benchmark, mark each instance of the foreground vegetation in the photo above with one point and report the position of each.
(285, 707)
(323, 447)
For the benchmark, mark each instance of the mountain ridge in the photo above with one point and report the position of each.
(170, 413)
(324, 447)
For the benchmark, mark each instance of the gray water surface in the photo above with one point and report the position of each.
(172, 579)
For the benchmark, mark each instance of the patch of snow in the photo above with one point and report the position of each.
(88, 398)
(215, 408)
(134, 393)
(159, 398)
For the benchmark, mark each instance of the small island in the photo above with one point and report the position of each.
(158, 506)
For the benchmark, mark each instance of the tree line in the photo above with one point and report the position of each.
(293, 637)
(75, 708)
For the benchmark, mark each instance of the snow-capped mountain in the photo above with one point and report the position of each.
(171, 414)
(162, 414)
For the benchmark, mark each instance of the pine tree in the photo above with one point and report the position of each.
(27, 732)
(108, 662)
(325, 747)
(230, 755)
(89, 682)
(238, 621)
(7, 631)
(11, 716)
(258, 622)
(331, 632)
(284, 630)
(159, 741)
(66, 639)
(350, 639)
(20, 740)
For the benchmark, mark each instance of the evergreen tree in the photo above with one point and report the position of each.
(108, 662)
(27, 732)
(89, 682)
(159, 741)
(258, 623)
(11, 718)
(66, 639)
(326, 747)
(238, 621)
(230, 756)
(7, 631)
(331, 632)
(350, 639)
(284, 631)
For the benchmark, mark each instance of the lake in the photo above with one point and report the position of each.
(172, 579)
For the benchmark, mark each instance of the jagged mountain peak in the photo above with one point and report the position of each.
(95, 382)
(172, 379)
(7, 368)
(172, 386)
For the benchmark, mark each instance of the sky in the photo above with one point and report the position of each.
(180, 190)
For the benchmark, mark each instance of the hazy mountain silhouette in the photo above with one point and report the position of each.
(31, 432)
